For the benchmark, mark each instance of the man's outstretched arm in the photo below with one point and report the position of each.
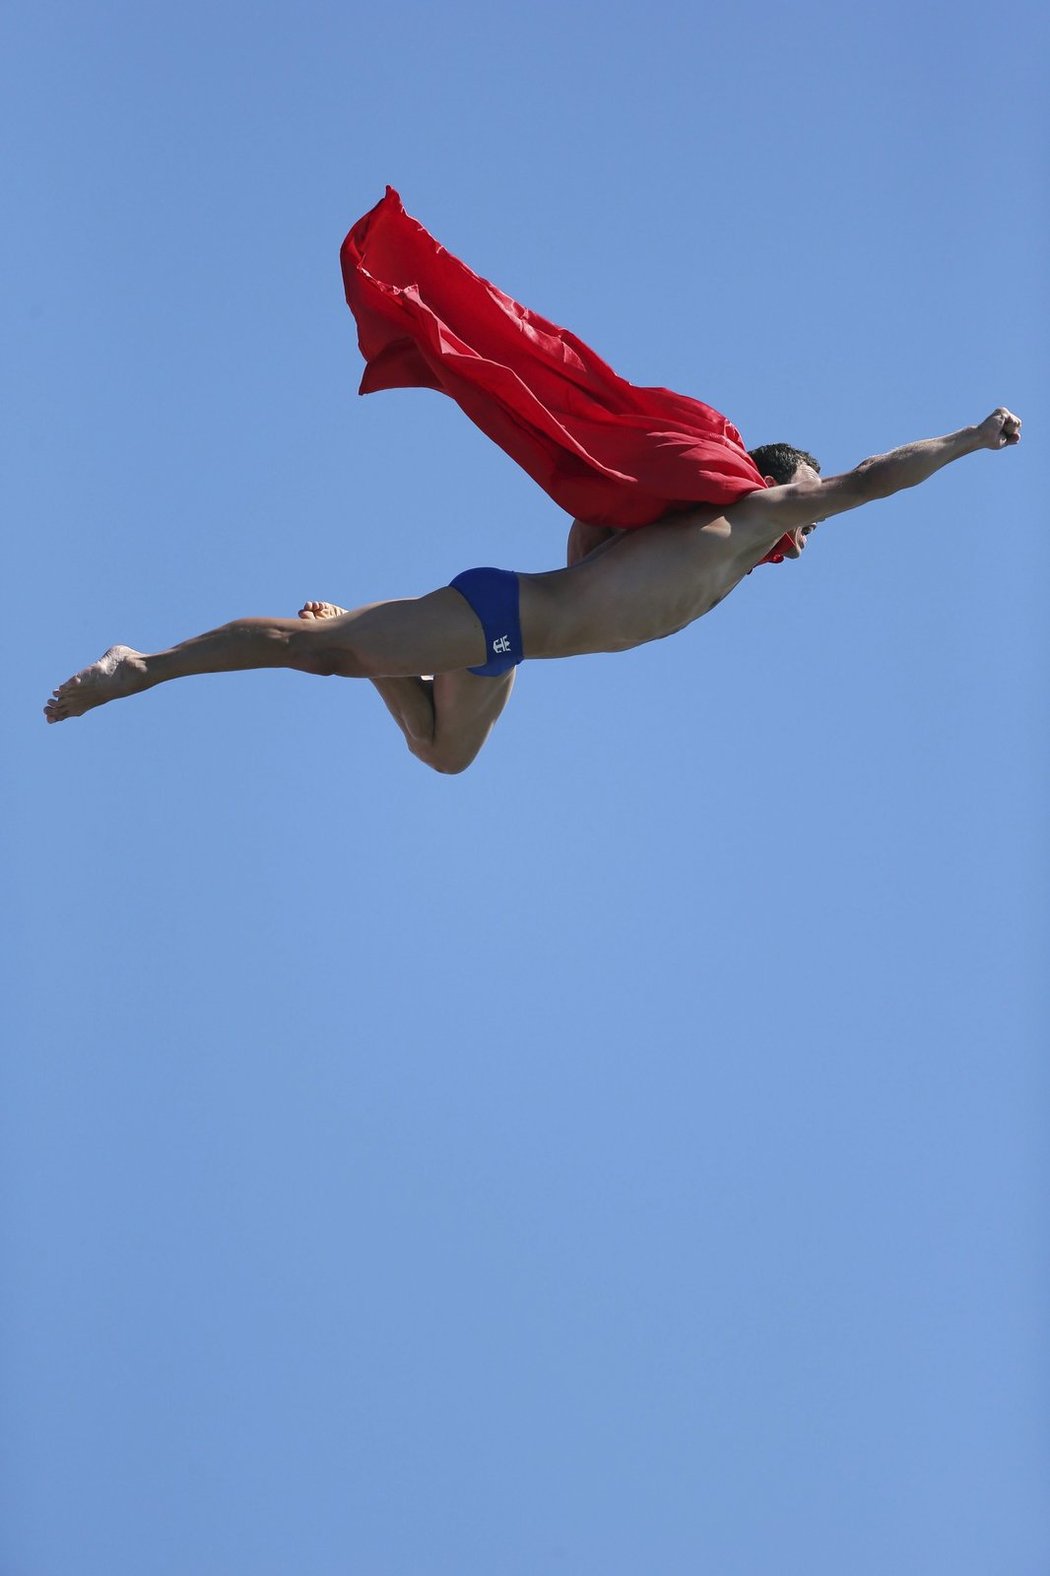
(760, 518)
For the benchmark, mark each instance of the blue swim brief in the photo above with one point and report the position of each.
(493, 594)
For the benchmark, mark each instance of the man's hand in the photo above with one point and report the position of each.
(1000, 429)
(763, 517)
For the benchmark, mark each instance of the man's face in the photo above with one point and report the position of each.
(797, 537)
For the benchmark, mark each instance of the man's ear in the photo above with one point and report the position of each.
(770, 482)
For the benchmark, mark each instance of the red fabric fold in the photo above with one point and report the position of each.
(606, 451)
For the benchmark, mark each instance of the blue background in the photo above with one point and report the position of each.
(628, 1156)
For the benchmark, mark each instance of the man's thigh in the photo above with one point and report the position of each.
(438, 633)
(466, 705)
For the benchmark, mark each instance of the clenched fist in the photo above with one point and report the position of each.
(1000, 429)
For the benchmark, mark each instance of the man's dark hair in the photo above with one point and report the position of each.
(780, 461)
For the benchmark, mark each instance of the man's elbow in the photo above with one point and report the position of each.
(873, 478)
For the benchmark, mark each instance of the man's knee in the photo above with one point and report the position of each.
(315, 651)
(440, 758)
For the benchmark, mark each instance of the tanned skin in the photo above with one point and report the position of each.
(620, 589)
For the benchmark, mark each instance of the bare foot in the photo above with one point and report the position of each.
(120, 671)
(320, 610)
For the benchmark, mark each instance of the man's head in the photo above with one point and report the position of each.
(781, 463)
(778, 462)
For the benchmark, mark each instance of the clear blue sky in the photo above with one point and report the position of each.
(629, 1156)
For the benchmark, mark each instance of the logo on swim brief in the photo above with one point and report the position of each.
(502, 646)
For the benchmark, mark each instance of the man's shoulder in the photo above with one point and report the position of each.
(798, 503)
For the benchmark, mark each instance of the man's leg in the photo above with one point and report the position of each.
(438, 633)
(463, 710)
(445, 719)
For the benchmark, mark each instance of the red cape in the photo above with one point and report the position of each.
(609, 453)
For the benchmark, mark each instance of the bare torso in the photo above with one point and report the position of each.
(621, 589)
(632, 586)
